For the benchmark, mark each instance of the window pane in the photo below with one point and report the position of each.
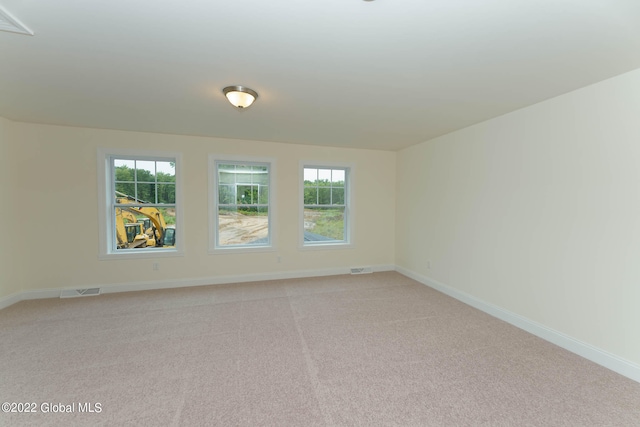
(323, 224)
(124, 173)
(310, 175)
(243, 174)
(242, 187)
(249, 226)
(337, 177)
(127, 164)
(326, 188)
(260, 175)
(310, 196)
(170, 237)
(136, 226)
(167, 193)
(324, 196)
(125, 188)
(226, 194)
(247, 194)
(165, 171)
(337, 196)
(135, 230)
(324, 175)
(226, 174)
(169, 216)
(263, 195)
(146, 170)
(146, 193)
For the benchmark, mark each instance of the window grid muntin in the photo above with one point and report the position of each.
(137, 182)
(330, 187)
(320, 173)
(226, 183)
(243, 174)
(137, 202)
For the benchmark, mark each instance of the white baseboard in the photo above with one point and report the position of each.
(10, 300)
(220, 280)
(27, 295)
(182, 283)
(594, 354)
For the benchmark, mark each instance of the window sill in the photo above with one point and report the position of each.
(141, 254)
(326, 246)
(240, 250)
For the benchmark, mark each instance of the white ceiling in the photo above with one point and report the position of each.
(382, 75)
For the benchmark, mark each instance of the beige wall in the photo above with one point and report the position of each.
(56, 194)
(9, 279)
(537, 212)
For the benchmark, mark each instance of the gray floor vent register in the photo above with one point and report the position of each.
(361, 270)
(72, 293)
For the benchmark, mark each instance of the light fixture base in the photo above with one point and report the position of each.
(239, 96)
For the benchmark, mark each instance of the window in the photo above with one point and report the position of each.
(326, 205)
(140, 213)
(242, 197)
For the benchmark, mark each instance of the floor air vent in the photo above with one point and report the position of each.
(72, 293)
(361, 270)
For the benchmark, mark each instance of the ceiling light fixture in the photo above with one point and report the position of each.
(239, 96)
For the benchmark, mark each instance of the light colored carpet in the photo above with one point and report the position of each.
(367, 350)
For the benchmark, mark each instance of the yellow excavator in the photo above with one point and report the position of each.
(133, 232)
(129, 232)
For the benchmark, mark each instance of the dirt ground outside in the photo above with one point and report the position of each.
(237, 229)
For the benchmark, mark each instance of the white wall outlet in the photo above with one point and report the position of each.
(156, 266)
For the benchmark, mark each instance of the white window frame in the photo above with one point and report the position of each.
(214, 247)
(106, 227)
(348, 242)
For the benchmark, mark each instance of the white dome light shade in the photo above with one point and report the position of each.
(240, 96)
